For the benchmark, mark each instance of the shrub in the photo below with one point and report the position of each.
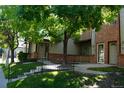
(22, 56)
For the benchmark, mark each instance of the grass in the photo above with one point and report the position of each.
(119, 81)
(108, 69)
(1, 65)
(19, 69)
(57, 79)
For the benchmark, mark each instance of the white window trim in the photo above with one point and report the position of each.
(104, 53)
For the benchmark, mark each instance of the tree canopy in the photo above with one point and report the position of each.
(57, 22)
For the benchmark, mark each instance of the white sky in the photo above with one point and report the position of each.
(61, 2)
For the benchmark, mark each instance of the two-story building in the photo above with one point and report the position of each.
(105, 46)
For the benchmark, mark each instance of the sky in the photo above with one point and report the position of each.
(61, 2)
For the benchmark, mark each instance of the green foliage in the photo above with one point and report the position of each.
(36, 22)
(54, 28)
(1, 65)
(70, 17)
(91, 16)
(79, 17)
(22, 56)
(9, 28)
(53, 21)
(3, 38)
(76, 36)
(33, 20)
(34, 12)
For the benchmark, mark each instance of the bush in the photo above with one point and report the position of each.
(22, 56)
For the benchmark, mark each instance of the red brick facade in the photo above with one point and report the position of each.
(70, 58)
(33, 55)
(121, 60)
(107, 34)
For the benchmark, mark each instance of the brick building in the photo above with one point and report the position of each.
(105, 46)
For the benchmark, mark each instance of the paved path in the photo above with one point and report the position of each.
(83, 68)
(3, 81)
(46, 62)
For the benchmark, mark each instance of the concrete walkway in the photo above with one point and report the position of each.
(83, 68)
(48, 63)
(3, 81)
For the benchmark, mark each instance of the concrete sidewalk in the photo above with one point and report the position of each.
(3, 80)
(83, 68)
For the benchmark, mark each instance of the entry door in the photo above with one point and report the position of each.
(112, 53)
(100, 53)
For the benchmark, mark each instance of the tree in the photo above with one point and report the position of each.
(56, 21)
(54, 27)
(33, 20)
(77, 18)
(71, 21)
(9, 28)
(39, 22)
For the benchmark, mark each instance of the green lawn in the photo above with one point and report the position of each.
(56, 79)
(1, 65)
(19, 69)
(119, 81)
(108, 69)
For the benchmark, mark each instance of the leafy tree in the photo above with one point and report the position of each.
(33, 20)
(110, 13)
(77, 18)
(54, 26)
(9, 27)
(63, 21)
(71, 20)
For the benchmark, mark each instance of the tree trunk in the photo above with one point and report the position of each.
(29, 48)
(65, 43)
(12, 55)
(26, 48)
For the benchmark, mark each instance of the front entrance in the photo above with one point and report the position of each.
(100, 53)
(112, 53)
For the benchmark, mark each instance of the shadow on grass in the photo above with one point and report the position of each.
(57, 79)
(19, 69)
(108, 69)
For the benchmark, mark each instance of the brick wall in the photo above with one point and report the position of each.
(121, 60)
(33, 55)
(70, 58)
(107, 34)
(93, 59)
